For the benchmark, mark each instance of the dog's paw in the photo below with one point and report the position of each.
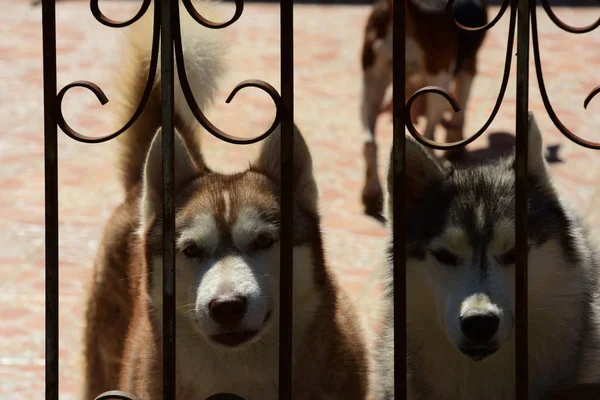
(372, 199)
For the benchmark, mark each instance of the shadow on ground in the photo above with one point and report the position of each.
(501, 144)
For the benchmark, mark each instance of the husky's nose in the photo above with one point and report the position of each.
(479, 327)
(228, 311)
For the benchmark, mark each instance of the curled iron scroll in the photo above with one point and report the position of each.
(455, 106)
(62, 123)
(239, 8)
(565, 27)
(120, 395)
(503, 8)
(116, 395)
(187, 92)
(225, 396)
(104, 20)
(540, 75)
(209, 126)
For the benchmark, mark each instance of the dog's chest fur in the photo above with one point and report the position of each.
(201, 371)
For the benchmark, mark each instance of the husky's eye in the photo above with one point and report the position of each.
(445, 257)
(192, 251)
(507, 258)
(263, 242)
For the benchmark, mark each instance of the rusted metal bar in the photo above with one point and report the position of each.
(399, 223)
(521, 245)
(51, 197)
(167, 80)
(287, 199)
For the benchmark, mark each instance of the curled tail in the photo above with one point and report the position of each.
(203, 53)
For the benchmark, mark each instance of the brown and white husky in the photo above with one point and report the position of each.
(227, 262)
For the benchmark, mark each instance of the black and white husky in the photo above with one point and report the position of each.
(460, 284)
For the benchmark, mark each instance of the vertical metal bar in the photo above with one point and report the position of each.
(167, 99)
(51, 196)
(399, 165)
(287, 200)
(522, 112)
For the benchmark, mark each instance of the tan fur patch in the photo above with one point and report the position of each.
(454, 239)
(503, 239)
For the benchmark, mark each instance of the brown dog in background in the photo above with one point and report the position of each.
(437, 54)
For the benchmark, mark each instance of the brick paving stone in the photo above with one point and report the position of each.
(327, 78)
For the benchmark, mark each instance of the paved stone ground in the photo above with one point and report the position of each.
(327, 80)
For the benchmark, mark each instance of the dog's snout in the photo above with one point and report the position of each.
(480, 327)
(228, 311)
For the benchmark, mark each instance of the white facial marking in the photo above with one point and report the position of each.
(454, 239)
(233, 276)
(227, 202)
(478, 302)
(480, 217)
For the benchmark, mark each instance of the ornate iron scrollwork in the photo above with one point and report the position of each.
(455, 106)
(205, 122)
(539, 73)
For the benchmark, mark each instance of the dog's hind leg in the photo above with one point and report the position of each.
(436, 104)
(455, 126)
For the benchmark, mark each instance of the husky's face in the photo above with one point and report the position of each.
(228, 256)
(227, 242)
(461, 243)
(466, 255)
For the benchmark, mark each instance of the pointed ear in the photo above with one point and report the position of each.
(422, 171)
(185, 170)
(536, 160)
(268, 162)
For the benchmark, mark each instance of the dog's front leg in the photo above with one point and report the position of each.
(376, 80)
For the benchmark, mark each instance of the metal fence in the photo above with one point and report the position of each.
(522, 14)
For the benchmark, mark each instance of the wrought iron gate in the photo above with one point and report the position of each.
(522, 14)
